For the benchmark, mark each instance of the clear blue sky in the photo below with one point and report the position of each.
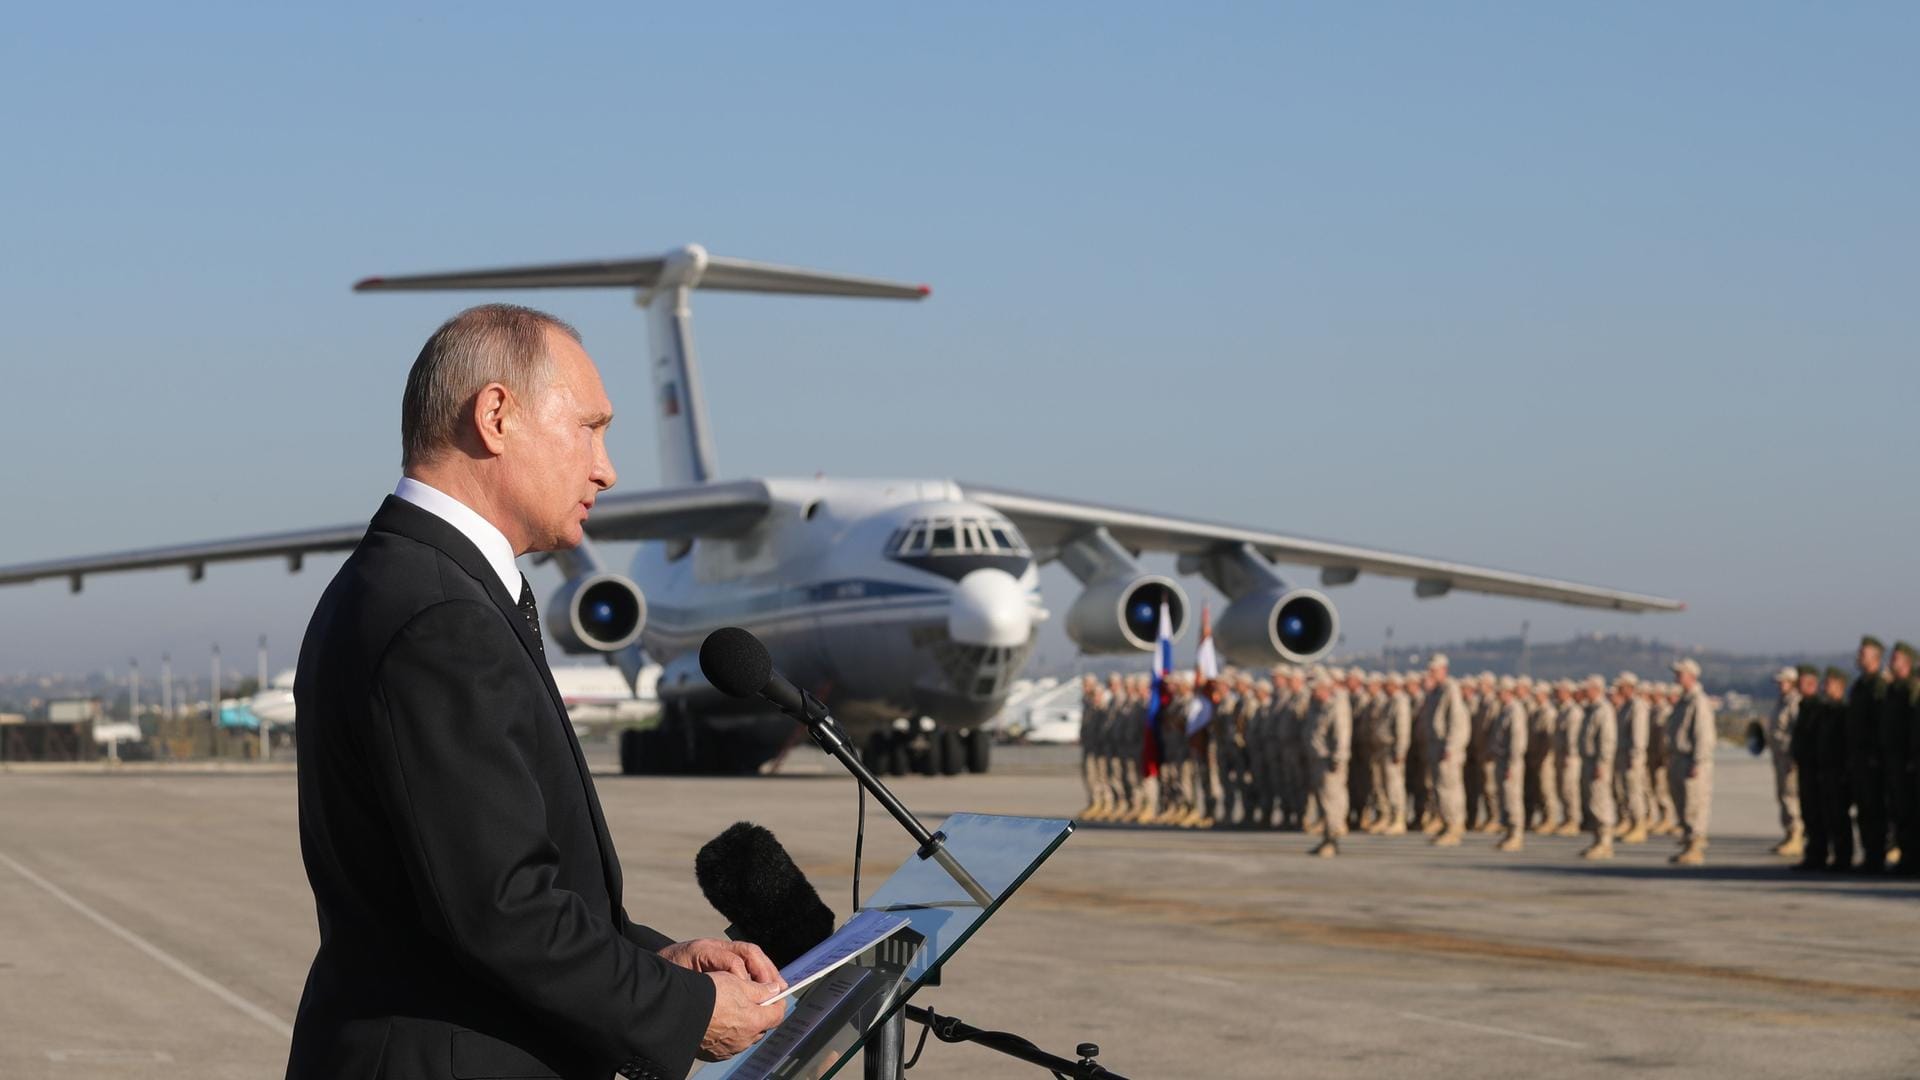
(1621, 293)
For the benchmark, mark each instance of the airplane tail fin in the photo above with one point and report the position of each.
(665, 285)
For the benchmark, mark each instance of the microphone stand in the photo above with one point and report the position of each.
(951, 1029)
(886, 1047)
(933, 845)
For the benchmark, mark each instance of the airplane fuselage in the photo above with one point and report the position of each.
(885, 598)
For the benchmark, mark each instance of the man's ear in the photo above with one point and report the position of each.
(493, 411)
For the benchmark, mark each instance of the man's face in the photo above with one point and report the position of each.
(1869, 658)
(1836, 688)
(1901, 665)
(558, 456)
(1686, 679)
(1809, 685)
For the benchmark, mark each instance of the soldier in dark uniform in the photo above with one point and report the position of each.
(1815, 711)
(1897, 717)
(1835, 781)
(1866, 771)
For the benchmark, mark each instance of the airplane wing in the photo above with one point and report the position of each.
(671, 513)
(1049, 523)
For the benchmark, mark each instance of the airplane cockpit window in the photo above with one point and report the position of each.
(956, 536)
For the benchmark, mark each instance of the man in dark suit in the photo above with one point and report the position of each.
(469, 898)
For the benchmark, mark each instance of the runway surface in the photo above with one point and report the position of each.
(159, 925)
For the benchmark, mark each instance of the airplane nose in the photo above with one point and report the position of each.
(989, 608)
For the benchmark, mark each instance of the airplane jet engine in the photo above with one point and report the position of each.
(1277, 624)
(596, 613)
(1122, 614)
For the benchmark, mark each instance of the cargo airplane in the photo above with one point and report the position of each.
(893, 600)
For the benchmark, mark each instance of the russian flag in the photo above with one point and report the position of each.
(1157, 700)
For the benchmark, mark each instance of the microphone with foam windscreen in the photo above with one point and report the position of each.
(737, 665)
(749, 878)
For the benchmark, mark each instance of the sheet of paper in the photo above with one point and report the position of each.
(861, 933)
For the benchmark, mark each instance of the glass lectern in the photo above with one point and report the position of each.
(828, 1022)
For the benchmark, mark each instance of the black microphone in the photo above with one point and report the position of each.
(749, 878)
(737, 665)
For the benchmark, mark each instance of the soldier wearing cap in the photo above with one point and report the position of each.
(1666, 821)
(1423, 813)
(1175, 799)
(1835, 781)
(1093, 707)
(1691, 738)
(1599, 746)
(1566, 757)
(1448, 726)
(1899, 712)
(1786, 778)
(1631, 763)
(1230, 749)
(1360, 704)
(1293, 752)
(1124, 740)
(1483, 789)
(1866, 772)
(1507, 747)
(1543, 781)
(1809, 722)
(1330, 744)
(1391, 740)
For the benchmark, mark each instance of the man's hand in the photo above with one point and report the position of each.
(738, 1018)
(740, 958)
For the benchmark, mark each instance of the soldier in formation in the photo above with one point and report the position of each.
(1853, 763)
(1335, 751)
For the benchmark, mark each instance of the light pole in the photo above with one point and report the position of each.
(266, 734)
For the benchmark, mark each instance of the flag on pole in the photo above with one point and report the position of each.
(1206, 668)
(1156, 699)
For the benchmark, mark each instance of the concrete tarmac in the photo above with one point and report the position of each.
(158, 924)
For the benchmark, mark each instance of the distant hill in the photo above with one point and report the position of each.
(1603, 654)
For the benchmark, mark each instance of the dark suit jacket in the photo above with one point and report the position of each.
(469, 898)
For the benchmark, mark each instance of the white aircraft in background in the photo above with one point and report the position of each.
(889, 599)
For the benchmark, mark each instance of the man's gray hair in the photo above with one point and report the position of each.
(503, 343)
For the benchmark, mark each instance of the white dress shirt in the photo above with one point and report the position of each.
(492, 542)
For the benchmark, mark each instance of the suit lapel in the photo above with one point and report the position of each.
(400, 516)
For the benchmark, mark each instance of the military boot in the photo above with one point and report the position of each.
(1396, 827)
(1694, 854)
(1636, 835)
(1326, 849)
(1792, 846)
(1447, 838)
(1567, 828)
(1601, 848)
(1513, 842)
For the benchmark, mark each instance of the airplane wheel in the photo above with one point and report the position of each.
(673, 742)
(899, 756)
(633, 752)
(929, 763)
(876, 756)
(953, 753)
(979, 751)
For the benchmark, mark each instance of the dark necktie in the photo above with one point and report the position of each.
(532, 611)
